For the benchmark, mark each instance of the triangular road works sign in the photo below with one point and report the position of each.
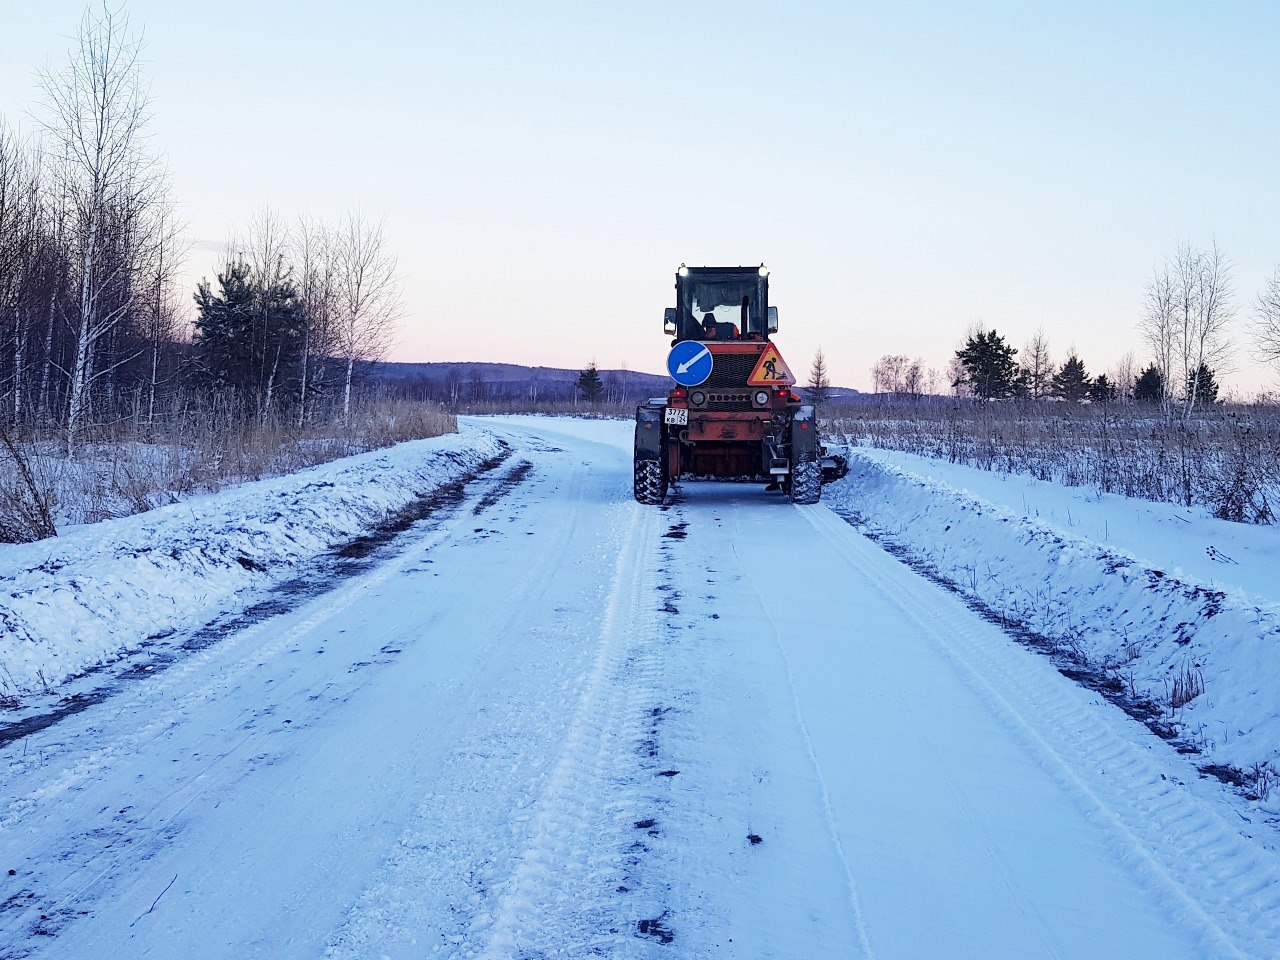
(770, 370)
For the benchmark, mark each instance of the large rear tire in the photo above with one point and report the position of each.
(806, 481)
(650, 482)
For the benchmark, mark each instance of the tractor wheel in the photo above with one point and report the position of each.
(806, 481)
(650, 482)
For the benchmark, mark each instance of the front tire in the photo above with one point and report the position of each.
(806, 481)
(650, 485)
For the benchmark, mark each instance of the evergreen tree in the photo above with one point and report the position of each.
(1203, 385)
(280, 337)
(1102, 390)
(990, 369)
(249, 338)
(1022, 384)
(224, 327)
(589, 383)
(1071, 382)
(819, 383)
(1149, 387)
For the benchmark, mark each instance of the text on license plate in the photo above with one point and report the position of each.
(677, 416)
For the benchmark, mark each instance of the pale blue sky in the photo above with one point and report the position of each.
(903, 168)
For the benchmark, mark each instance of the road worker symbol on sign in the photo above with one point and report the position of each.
(771, 370)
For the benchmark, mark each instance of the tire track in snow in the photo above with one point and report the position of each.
(565, 895)
(746, 860)
(432, 891)
(855, 906)
(438, 891)
(1215, 883)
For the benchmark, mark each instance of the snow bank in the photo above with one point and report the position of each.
(1188, 543)
(70, 602)
(1149, 628)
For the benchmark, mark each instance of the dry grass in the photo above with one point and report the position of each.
(26, 495)
(1184, 685)
(129, 467)
(1226, 458)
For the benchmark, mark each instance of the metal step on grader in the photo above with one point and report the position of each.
(731, 412)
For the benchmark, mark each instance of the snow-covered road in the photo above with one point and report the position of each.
(548, 722)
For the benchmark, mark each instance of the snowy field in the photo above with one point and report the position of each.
(544, 721)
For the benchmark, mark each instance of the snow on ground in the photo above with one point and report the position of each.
(69, 602)
(548, 722)
(1187, 543)
(1154, 593)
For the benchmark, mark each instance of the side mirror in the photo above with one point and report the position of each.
(773, 319)
(669, 320)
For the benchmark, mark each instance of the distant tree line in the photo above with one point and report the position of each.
(92, 325)
(1186, 325)
(512, 386)
(987, 367)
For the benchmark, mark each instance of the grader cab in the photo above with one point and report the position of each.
(731, 413)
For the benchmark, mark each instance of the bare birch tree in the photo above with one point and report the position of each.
(161, 324)
(313, 254)
(956, 377)
(266, 246)
(98, 109)
(19, 219)
(369, 300)
(1158, 326)
(1037, 365)
(1206, 307)
(914, 378)
(1124, 375)
(1266, 321)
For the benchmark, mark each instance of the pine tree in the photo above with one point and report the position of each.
(990, 369)
(1203, 385)
(819, 383)
(1149, 387)
(249, 338)
(1071, 382)
(224, 326)
(1102, 390)
(589, 383)
(1022, 384)
(280, 339)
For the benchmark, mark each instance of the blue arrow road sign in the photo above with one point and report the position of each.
(689, 363)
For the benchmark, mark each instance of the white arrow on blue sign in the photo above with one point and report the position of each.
(689, 363)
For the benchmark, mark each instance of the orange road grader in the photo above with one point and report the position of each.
(731, 413)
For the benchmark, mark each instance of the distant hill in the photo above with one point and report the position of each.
(470, 382)
(501, 382)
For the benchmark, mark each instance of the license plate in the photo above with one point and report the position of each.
(677, 417)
